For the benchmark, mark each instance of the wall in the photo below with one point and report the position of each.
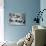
(29, 7)
(43, 6)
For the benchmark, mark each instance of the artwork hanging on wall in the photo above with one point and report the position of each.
(17, 18)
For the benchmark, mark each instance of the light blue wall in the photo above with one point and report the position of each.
(29, 7)
(43, 6)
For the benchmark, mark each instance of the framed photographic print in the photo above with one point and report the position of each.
(17, 18)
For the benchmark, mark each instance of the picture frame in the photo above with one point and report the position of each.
(17, 18)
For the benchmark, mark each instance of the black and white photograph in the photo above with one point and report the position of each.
(17, 18)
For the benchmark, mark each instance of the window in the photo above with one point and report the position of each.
(1, 21)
